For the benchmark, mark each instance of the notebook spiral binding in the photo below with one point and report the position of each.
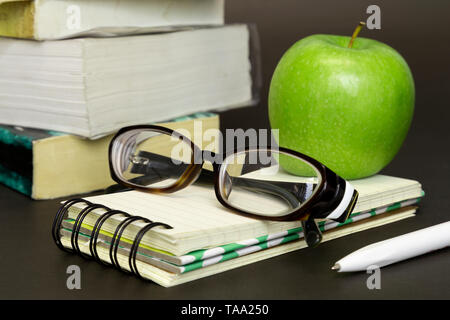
(113, 249)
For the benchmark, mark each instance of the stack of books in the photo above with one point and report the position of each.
(74, 72)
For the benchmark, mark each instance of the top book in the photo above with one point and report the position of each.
(60, 19)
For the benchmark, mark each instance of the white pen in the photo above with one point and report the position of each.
(396, 249)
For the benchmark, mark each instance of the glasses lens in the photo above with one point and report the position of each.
(258, 182)
(152, 159)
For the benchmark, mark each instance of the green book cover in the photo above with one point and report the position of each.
(16, 156)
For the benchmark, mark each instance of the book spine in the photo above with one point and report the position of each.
(113, 249)
(17, 19)
(16, 160)
(17, 155)
(16, 181)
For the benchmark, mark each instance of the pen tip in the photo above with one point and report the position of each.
(336, 267)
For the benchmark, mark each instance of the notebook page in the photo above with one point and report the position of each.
(192, 212)
(368, 186)
(373, 191)
(200, 221)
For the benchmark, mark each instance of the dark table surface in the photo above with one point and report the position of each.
(31, 266)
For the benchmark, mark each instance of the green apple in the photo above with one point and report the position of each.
(347, 105)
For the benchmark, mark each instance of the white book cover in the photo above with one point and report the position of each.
(61, 19)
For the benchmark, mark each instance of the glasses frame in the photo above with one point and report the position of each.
(326, 197)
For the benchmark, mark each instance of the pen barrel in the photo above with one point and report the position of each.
(396, 249)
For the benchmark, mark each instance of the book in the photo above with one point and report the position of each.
(46, 164)
(92, 87)
(206, 238)
(60, 19)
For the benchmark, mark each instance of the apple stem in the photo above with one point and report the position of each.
(355, 33)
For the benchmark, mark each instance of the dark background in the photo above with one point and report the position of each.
(31, 267)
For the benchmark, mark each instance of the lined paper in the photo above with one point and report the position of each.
(200, 221)
(373, 191)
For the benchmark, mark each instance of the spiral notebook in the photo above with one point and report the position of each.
(189, 235)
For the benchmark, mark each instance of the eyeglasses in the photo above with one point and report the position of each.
(275, 184)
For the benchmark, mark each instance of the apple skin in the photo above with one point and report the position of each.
(349, 108)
